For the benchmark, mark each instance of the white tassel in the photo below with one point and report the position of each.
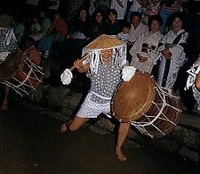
(66, 77)
(118, 56)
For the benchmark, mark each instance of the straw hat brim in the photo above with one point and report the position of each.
(105, 42)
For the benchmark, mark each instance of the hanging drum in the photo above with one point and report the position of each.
(20, 74)
(153, 110)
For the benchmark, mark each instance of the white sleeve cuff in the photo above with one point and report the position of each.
(128, 72)
(66, 77)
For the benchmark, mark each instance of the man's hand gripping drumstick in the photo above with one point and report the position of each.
(79, 64)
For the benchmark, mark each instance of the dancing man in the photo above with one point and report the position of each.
(105, 66)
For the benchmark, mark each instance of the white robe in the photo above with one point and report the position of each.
(121, 11)
(177, 59)
(148, 38)
(135, 33)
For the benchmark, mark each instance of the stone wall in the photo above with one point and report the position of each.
(183, 141)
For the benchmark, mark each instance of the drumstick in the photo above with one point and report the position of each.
(66, 76)
(82, 59)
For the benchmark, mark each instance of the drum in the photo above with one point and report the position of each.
(153, 110)
(19, 73)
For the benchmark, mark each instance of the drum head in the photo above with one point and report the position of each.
(12, 63)
(133, 98)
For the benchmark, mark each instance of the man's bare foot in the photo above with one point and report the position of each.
(4, 107)
(63, 128)
(120, 155)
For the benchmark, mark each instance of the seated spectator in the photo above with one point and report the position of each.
(81, 24)
(143, 10)
(98, 25)
(124, 34)
(120, 7)
(45, 23)
(144, 51)
(167, 8)
(77, 38)
(137, 27)
(113, 25)
(28, 47)
(57, 32)
(134, 5)
(151, 8)
(172, 52)
(35, 26)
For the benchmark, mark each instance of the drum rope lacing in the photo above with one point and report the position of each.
(141, 125)
(20, 89)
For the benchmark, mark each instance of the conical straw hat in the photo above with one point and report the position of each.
(104, 42)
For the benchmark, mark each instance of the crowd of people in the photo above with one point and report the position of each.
(155, 33)
(151, 28)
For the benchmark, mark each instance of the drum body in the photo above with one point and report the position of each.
(19, 73)
(153, 110)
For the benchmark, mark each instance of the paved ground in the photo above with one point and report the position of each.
(32, 144)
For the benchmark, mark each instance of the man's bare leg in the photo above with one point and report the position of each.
(4, 105)
(122, 134)
(73, 124)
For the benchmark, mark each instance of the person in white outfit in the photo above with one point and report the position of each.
(137, 27)
(144, 51)
(124, 34)
(172, 52)
(104, 66)
(120, 6)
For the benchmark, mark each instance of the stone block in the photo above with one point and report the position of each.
(106, 124)
(166, 145)
(72, 100)
(189, 154)
(56, 95)
(188, 137)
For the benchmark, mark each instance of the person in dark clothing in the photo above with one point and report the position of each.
(98, 25)
(81, 23)
(78, 37)
(113, 26)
